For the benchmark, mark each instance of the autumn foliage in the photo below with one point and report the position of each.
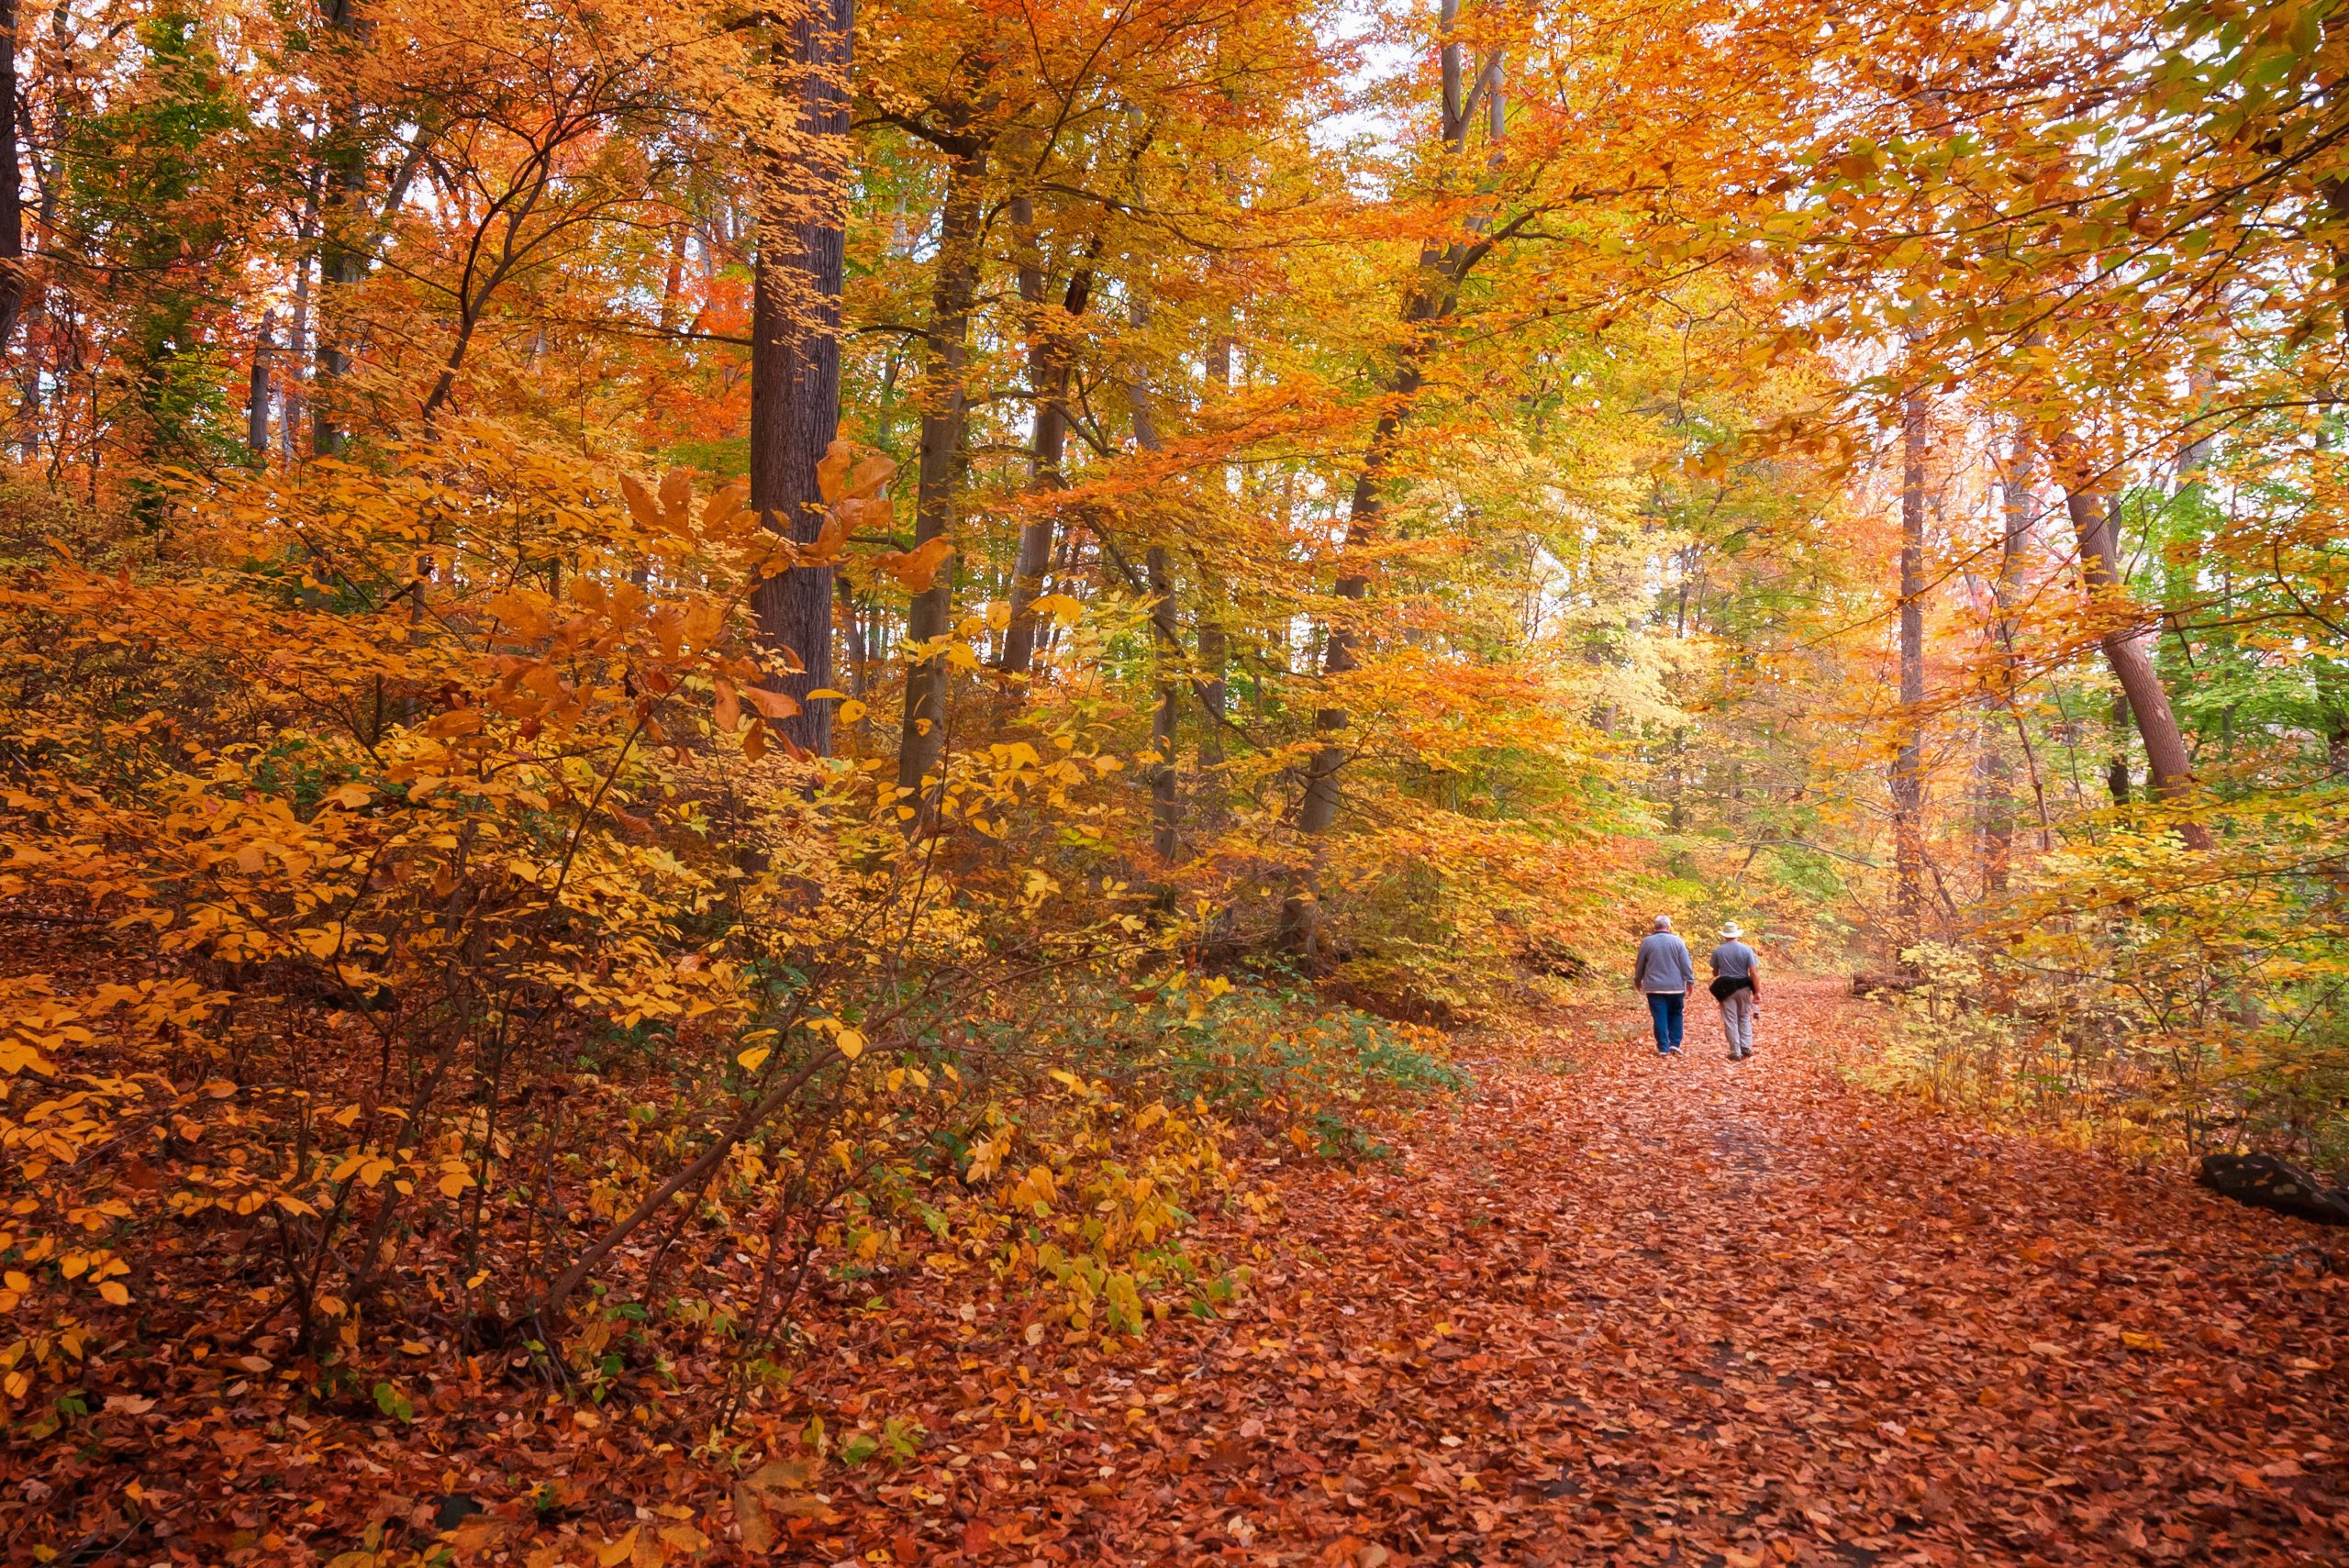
(676, 689)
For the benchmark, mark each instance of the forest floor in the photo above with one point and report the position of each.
(1608, 1307)
(1599, 1307)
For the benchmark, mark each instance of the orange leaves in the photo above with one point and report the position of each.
(773, 1494)
(850, 478)
(852, 472)
(916, 569)
(670, 514)
(770, 704)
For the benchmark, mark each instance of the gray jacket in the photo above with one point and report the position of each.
(1664, 965)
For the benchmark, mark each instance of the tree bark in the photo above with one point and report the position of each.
(1165, 800)
(1050, 363)
(291, 404)
(257, 392)
(1214, 637)
(796, 364)
(2172, 773)
(1908, 763)
(1998, 772)
(944, 413)
(12, 207)
(342, 259)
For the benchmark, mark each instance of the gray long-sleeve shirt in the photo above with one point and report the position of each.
(1663, 965)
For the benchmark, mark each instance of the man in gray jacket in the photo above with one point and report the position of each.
(1664, 972)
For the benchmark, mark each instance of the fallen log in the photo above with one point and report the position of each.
(2262, 1180)
(1882, 985)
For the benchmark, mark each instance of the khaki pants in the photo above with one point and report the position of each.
(1737, 1022)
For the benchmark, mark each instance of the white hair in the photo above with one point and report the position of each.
(1663, 922)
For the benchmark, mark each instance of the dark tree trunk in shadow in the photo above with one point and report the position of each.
(796, 362)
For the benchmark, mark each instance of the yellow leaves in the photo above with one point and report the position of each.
(17, 1055)
(368, 1167)
(727, 709)
(1061, 607)
(1036, 1190)
(986, 1156)
(638, 1549)
(755, 1058)
(320, 942)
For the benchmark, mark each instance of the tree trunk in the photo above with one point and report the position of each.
(1050, 362)
(1165, 806)
(290, 402)
(1212, 610)
(2172, 774)
(12, 208)
(2116, 762)
(944, 408)
(342, 259)
(1165, 801)
(1997, 772)
(795, 364)
(257, 393)
(1908, 763)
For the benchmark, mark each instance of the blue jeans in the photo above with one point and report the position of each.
(1664, 1007)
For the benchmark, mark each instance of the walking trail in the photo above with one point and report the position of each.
(1613, 1308)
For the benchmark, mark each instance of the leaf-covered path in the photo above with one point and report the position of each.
(1612, 1308)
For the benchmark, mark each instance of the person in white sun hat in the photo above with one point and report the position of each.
(1737, 986)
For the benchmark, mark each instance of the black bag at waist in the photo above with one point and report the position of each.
(1724, 986)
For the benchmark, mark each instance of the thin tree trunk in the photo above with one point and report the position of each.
(290, 401)
(1165, 803)
(342, 260)
(1998, 794)
(257, 392)
(2115, 761)
(945, 410)
(1050, 362)
(795, 368)
(1909, 764)
(673, 282)
(2171, 770)
(12, 207)
(1214, 638)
